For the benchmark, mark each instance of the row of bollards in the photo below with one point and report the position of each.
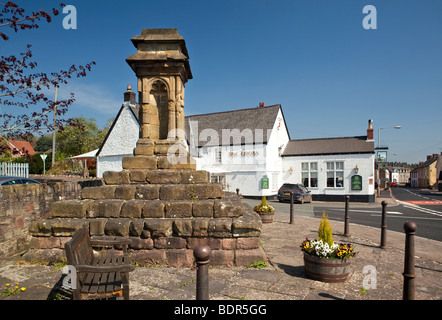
(409, 261)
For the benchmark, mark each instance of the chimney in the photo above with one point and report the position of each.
(129, 96)
(262, 104)
(434, 155)
(370, 130)
(429, 157)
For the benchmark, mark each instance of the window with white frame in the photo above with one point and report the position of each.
(309, 174)
(335, 174)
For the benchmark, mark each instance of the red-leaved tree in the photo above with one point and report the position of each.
(25, 106)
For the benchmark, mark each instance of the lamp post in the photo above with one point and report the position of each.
(379, 133)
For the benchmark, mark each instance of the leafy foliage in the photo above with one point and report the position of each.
(325, 230)
(22, 86)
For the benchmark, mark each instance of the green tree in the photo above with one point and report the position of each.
(43, 143)
(81, 136)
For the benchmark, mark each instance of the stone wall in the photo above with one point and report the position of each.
(21, 205)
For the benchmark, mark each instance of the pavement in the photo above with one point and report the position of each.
(376, 274)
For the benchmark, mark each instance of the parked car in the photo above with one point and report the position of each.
(7, 181)
(393, 184)
(300, 193)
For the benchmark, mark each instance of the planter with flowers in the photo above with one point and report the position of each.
(265, 211)
(325, 260)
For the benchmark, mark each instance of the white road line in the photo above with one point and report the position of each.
(425, 210)
(369, 211)
(406, 217)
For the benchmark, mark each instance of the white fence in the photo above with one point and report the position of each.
(14, 169)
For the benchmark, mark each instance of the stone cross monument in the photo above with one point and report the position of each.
(159, 200)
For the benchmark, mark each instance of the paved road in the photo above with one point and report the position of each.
(427, 216)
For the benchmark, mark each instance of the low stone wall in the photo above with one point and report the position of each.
(21, 205)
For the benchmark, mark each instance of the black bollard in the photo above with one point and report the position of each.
(202, 257)
(347, 218)
(291, 208)
(384, 226)
(237, 192)
(409, 274)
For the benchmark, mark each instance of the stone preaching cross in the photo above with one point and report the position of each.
(159, 200)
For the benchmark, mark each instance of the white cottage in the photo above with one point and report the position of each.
(251, 150)
(121, 138)
(241, 148)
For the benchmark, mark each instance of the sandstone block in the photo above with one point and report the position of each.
(179, 258)
(182, 227)
(132, 209)
(144, 150)
(175, 192)
(192, 176)
(208, 191)
(200, 227)
(153, 209)
(41, 228)
(203, 208)
(96, 226)
(227, 208)
(222, 258)
(178, 209)
(248, 225)
(182, 162)
(141, 244)
(220, 228)
(140, 162)
(125, 192)
(229, 243)
(116, 177)
(137, 175)
(44, 243)
(70, 208)
(66, 227)
(105, 209)
(102, 192)
(213, 243)
(136, 227)
(163, 177)
(146, 257)
(159, 227)
(247, 257)
(117, 227)
(248, 243)
(147, 192)
(170, 243)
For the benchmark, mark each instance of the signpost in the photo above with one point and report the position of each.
(43, 157)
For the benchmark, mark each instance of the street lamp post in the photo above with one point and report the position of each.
(379, 133)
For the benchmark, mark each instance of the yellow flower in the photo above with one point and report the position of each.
(8, 284)
(23, 289)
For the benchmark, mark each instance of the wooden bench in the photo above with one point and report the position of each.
(98, 275)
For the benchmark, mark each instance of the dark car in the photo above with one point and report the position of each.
(300, 193)
(8, 181)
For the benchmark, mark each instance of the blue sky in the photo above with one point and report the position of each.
(313, 57)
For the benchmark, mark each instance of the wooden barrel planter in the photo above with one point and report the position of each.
(326, 270)
(267, 218)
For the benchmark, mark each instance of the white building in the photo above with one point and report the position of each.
(241, 148)
(332, 168)
(250, 149)
(121, 138)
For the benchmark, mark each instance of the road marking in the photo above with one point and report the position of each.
(369, 211)
(425, 210)
(411, 218)
(433, 202)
